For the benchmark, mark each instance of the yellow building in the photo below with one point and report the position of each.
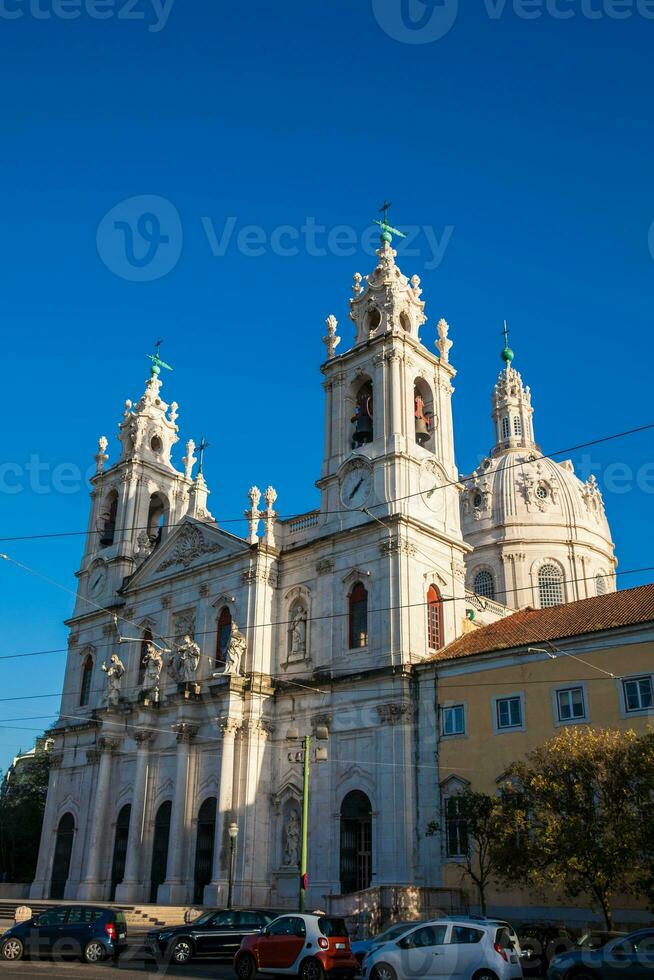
(502, 690)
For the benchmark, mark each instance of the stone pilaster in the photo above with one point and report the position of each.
(131, 888)
(93, 885)
(216, 892)
(174, 889)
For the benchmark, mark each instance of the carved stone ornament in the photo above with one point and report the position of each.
(395, 712)
(325, 566)
(185, 732)
(331, 341)
(190, 545)
(228, 726)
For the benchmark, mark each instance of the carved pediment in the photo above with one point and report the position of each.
(190, 543)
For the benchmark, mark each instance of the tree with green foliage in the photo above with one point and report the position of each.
(579, 802)
(22, 804)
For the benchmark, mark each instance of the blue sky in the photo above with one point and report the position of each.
(523, 144)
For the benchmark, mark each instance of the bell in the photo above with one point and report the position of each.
(422, 431)
(362, 430)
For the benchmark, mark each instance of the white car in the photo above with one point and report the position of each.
(465, 948)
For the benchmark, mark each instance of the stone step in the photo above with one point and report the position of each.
(139, 918)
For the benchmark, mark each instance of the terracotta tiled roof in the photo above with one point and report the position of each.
(533, 626)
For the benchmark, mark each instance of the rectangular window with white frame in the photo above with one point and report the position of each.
(453, 720)
(456, 831)
(638, 694)
(509, 713)
(570, 704)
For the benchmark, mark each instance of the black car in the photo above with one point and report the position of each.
(90, 932)
(217, 933)
(539, 943)
(626, 958)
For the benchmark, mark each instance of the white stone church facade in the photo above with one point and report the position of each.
(309, 623)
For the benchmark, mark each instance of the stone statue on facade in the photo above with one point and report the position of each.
(292, 841)
(187, 660)
(299, 633)
(234, 651)
(153, 663)
(115, 671)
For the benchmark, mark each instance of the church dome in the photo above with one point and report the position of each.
(539, 534)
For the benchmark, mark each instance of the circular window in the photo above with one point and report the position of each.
(478, 500)
(405, 321)
(541, 492)
(156, 445)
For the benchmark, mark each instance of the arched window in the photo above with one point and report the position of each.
(484, 584)
(550, 586)
(85, 686)
(204, 848)
(160, 849)
(157, 517)
(423, 414)
(62, 852)
(456, 830)
(434, 618)
(601, 584)
(358, 617)
(108, 520)
(362, 419)
(147, 639)
(517, 425)
(223, 635)
(120, 849)
(506, 427)
(356, 843)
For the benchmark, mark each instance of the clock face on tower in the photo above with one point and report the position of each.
(356, 486)
(432, 487)
(96, 580)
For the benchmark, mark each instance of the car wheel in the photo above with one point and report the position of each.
(245, 967)
(12, 949)
(182, 951)
(94, 952)
(383, 971)
(485, 975)
(311, 970)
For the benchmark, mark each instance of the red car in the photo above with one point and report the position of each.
(311, 947)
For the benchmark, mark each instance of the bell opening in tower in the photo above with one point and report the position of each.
(363, 416)
(423, 412)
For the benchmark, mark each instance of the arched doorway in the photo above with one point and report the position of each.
(120, 849)
(62, 852)
(160, 849)
(204, 848)
(356, 842)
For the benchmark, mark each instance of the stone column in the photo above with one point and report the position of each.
(92, 887)
(40, 887)
(131, 887)
(216, 892)
(173, 890)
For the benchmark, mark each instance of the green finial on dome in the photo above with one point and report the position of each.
(387, 231)
(157, 363)
(507, 354)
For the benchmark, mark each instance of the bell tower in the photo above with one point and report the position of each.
(135, 501)
(389, 443)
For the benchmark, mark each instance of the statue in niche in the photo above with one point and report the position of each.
(187, 660)
(292, 841)
(234, 651)
(115, 671)
(153, 663)
(298, 632)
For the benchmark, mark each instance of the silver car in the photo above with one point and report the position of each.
(464, 948)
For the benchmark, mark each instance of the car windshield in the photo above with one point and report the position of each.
(393, 931)
(332, 927)
(204, 918)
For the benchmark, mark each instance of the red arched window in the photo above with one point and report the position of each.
(434, 618)
(147, 639)
(224, 633)
(85, 687)
(358, 617)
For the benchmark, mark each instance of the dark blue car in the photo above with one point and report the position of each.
(90, 932)
(626, 958)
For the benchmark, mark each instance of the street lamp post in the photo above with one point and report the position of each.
(304, 756)
(233, 834)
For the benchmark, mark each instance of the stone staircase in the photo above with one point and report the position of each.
(140, 918)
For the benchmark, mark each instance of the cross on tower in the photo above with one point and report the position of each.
(387, 231)
(384, 209)
(157, 363)
(203, 444)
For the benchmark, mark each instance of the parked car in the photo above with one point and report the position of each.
(596, 938)
(473, 948)
(362, 947)
(91, 932)
(629, 957)
(217, 933)
(311, 947)
(540, 941)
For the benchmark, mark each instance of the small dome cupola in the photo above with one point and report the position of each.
(512, 410)
(148, 430)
